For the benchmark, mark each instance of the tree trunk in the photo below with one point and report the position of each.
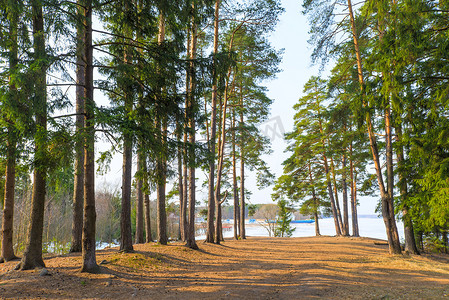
(387, 200)
(190, 239)
(355, 223)
(160, 203)
(242, 180)
(234, 181)
(213, 130)
(334, 207)
(185, 185)
(331, 196)
(141, 156)
(218, 225)
(180, 183)
(185, 151)
(32, 257)
(78, 188)
(126, 240)
(337, 201)
(148, 235)
(7, 253)
(221, 142)
(345, 199)
(315, 202)
(139, 203)
(409, 234)
(8, 208)
(88, 249)
(160, 161)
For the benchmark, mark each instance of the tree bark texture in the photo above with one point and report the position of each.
(315, 202)
(7, 252)
(345, 199)
(161, 159)
(182, 216)
(331, 196)
(190, 240)
(234, 181)
(213, 129)
(242, 179)
(409, 234)
(89, 220)
(78, 187)
(126, 240)
(148, 234)
(139, 239)
(337, 201)
(32, 257)
(355, 223)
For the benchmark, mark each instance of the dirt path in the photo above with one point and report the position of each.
(257, 268)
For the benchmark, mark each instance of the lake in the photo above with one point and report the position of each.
(369, 226)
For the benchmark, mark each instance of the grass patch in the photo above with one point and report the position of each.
(137, 261)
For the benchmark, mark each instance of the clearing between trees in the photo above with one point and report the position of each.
(256, 268)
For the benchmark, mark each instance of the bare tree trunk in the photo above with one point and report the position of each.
(190, 239)
(78, 189)
(334, 207)
(345, 199)
(242, 180)
(160, 162)
(355, 223)
(185, 186)
(337, 201)
(139, 203)
(185, 152)
(148, 235)
(32, 257)
(7, 253)
(221, 153)
(89, 220)
(126, 240)
(160, 203)
(217, 195)
(234, 181)
(409, 234)
(315, 201)
(141, 156)
(180, 182)
(387, 200)
(213, 129)
(331, 196)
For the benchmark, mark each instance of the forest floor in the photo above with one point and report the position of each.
(256, 268)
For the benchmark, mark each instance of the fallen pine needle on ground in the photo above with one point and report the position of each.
(256, 268)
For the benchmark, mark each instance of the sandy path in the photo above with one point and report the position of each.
(257, 268)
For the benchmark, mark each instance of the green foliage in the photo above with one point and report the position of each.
(251, 209)
(203, 213)
(404, 61)
(283, 228)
